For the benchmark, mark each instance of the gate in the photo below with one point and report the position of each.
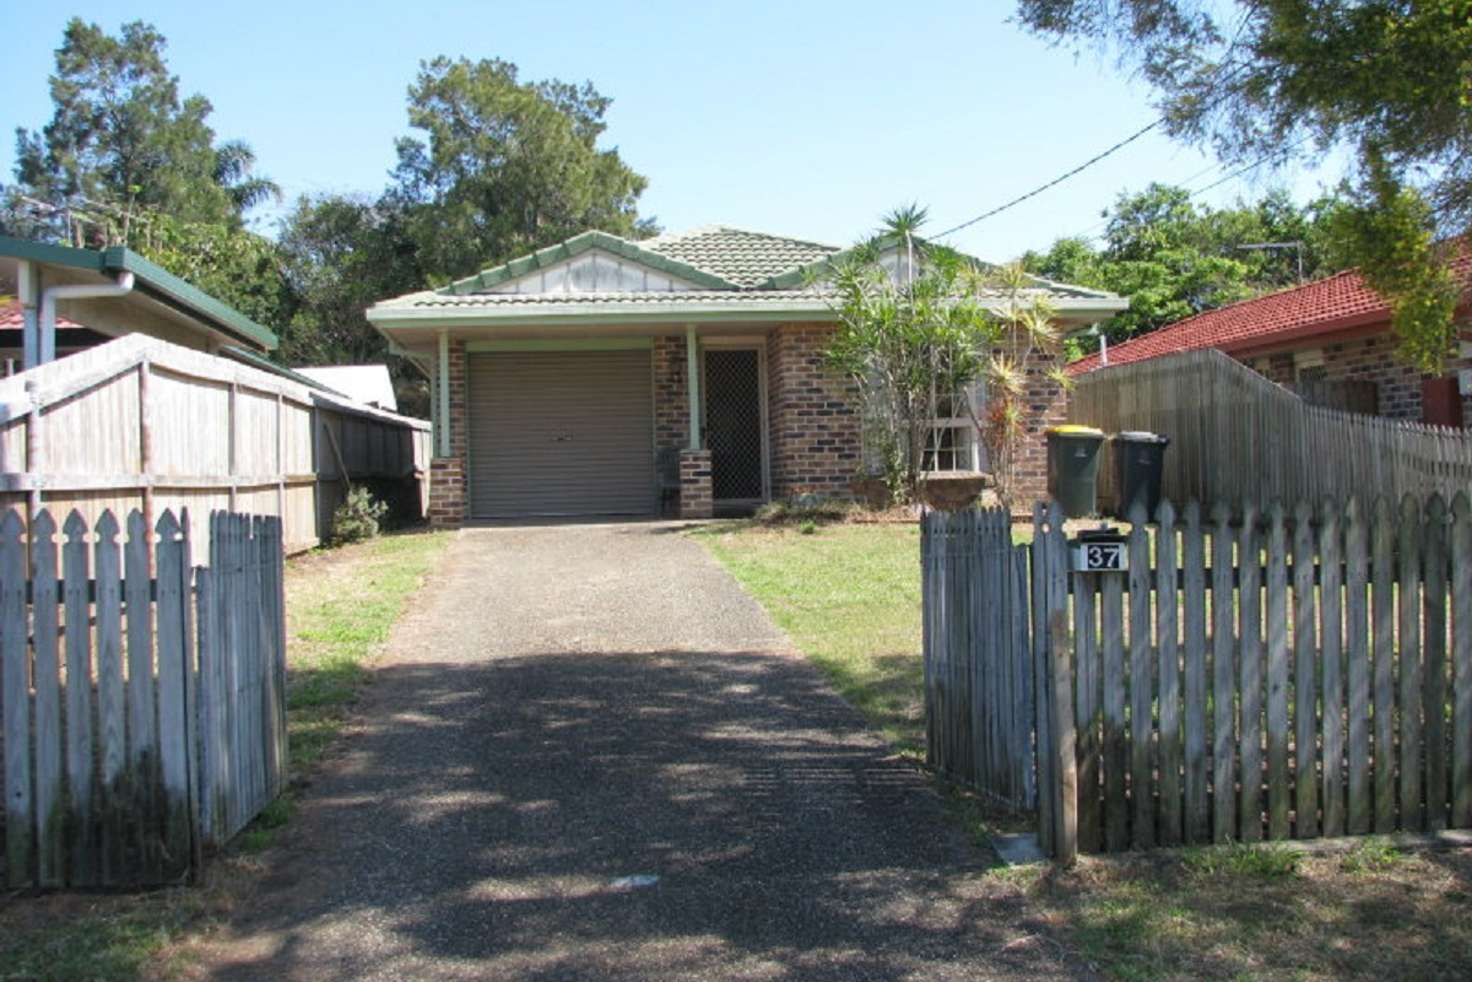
(1249, 675)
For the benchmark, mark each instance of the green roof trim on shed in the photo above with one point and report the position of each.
(542, 258)
(151, 278)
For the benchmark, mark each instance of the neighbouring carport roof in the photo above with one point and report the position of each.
(151, 279)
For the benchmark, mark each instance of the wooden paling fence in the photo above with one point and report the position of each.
(142, 423)
(143, 697)
(1238, 437)
(978, 684)
(1254, 675)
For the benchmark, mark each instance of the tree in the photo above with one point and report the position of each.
(1263, 79)
(1174, 258)
(914, 333)
(121, 141)
(341, 255)
(505, 167)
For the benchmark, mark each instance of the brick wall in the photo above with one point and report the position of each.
(696, 496)
(671, 395)
(447, 499)
(813, 415)
(1370, 359)
(446, 492)
(1047, 405)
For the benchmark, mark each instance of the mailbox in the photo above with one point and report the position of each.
(1099, 550)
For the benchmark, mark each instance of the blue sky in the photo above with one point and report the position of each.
(809, 119)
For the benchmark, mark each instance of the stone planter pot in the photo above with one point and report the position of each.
(953, 491)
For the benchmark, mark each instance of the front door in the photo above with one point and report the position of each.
(734, 425)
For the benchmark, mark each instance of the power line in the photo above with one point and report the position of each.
(1055, 181)
(1225, 77)
(1281, 154)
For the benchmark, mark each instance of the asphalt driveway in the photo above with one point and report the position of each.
(590, 755)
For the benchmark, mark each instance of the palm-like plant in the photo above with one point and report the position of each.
(919, 326)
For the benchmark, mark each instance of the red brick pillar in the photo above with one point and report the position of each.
(1046, 404)
(447, 504)
(695, 487)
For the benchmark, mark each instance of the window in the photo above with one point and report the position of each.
(951, 444)
(1308, 366)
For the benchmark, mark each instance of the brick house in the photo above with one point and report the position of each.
(1330, 341)
(684, 373)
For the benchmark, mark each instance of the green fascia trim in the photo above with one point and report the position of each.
(185, 294)
(52, 255)
(559, 318)
(543, 258)
(155, 280)
(562, 344)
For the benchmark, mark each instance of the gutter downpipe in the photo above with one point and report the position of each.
(26, 288)
(47, 326)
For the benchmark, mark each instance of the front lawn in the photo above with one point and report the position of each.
(849, 596)
(340, 605)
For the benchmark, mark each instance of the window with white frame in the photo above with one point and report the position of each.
(952, 443)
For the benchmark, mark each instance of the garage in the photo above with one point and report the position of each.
(561, 433)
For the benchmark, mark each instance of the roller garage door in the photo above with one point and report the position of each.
(561, 433)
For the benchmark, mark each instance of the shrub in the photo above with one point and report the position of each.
(1268, 860)
(357, 518)
(804, 509)
(1373, 855)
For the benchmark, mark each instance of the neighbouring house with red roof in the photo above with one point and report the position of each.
(71, 337)
(1330, 341)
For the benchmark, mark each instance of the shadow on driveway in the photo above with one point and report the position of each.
(486, 818)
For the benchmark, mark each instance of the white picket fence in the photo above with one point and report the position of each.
(143, 697)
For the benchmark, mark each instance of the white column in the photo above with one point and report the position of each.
(29, 289)
(692, 378)
(444, 394)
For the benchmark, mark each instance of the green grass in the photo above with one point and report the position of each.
(1268, 859)
(849, 595)
(99, 937)
(339, 616)
(340, 605)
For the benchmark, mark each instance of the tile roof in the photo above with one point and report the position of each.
(10, 317)
(746, 259)
(727, 269)
(1323, 306)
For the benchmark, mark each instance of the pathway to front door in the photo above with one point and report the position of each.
(590, 755)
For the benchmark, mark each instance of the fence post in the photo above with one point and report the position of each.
(1461, 661)
(1043, 688)
(1066, 754)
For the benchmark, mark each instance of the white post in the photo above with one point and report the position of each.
(29, 291)
(444, 394)
(692, 376)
